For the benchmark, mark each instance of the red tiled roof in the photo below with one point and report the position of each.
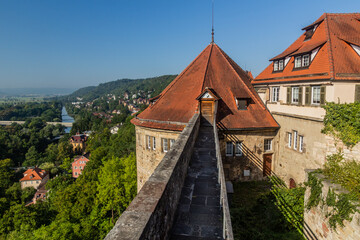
(33, 174)
(217, 71)
(336, 60)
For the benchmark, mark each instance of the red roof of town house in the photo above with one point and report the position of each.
(78, 138)
(33, 174)
(215, 70)
(336, 59)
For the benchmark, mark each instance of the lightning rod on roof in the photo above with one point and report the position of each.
(212, 28)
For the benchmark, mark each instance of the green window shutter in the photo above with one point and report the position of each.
(300, 95)
(322, 95)
(288, 96)
(307, 95)
(357, 93)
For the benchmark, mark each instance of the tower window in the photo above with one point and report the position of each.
(241, 104)
(229, 148)
(238, 149)
(267, 145)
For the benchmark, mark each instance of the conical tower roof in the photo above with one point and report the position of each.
(215, 70)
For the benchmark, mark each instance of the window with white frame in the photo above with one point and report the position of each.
(315, 96)
(298, 62)
(276, 66)
(154, 143)
(295, 139)
(229, 148)
(238, 149)
(289, 140)
(302, 61)
(267, 145)
(281, 65)
(305, 60)
(165, 145)
(301, 143)
(148, 142)
(295, 95)
(275, 94)
(172, 141)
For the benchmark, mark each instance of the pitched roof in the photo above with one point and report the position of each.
(33, 174)
(335, 60)
(215, 70)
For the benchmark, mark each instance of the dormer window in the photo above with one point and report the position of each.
(241, 104)
(310, 32)
(302, 61)
(276, 66)
(279, 65)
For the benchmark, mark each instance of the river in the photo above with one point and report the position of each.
(66, 118)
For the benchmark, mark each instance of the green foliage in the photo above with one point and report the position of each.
(344, 204)
(290, 203)
(343, 172)
(316, 186)
(48, 111)
(257, 212)
(343, 121)
(118, 87)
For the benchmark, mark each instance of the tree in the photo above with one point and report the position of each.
(117, 185)
(6, 174)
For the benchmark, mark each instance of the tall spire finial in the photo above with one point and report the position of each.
(212, 29)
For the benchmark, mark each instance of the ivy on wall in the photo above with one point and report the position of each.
(343, 205)
(343, 122)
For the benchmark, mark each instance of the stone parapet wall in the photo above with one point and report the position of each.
(150, 215)
(333, 146)
(317, 221)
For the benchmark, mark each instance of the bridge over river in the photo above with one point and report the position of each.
(7, 123)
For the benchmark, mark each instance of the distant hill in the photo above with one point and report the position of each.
(45, 92)
(154, 85)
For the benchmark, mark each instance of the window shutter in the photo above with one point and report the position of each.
(307, 95)
(300, 95)
(288, 96)
(322, 95)
(357, 93)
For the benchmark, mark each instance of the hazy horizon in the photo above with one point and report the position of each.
(74, 44)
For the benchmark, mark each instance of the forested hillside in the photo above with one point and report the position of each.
(154, 85)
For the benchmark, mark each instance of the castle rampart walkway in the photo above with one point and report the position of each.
(199, 213)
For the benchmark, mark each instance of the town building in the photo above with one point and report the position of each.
(322, 65)
(217, 88)
(78, 142)
(79, 164)
(34, 177)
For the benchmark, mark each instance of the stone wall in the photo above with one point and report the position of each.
(252, 153)
(290, 162)
(147, 159)
(150, 215)
(316, 219)
(333, 146)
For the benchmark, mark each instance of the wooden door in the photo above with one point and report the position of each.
(207, 111)
(267, 164)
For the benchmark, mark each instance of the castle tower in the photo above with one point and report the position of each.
(215, 86)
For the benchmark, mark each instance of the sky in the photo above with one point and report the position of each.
(79, 43)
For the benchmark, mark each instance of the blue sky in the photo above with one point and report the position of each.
(78, 43)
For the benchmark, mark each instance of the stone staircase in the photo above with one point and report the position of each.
(198, 214)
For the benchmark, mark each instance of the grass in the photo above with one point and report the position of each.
(255, 216)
